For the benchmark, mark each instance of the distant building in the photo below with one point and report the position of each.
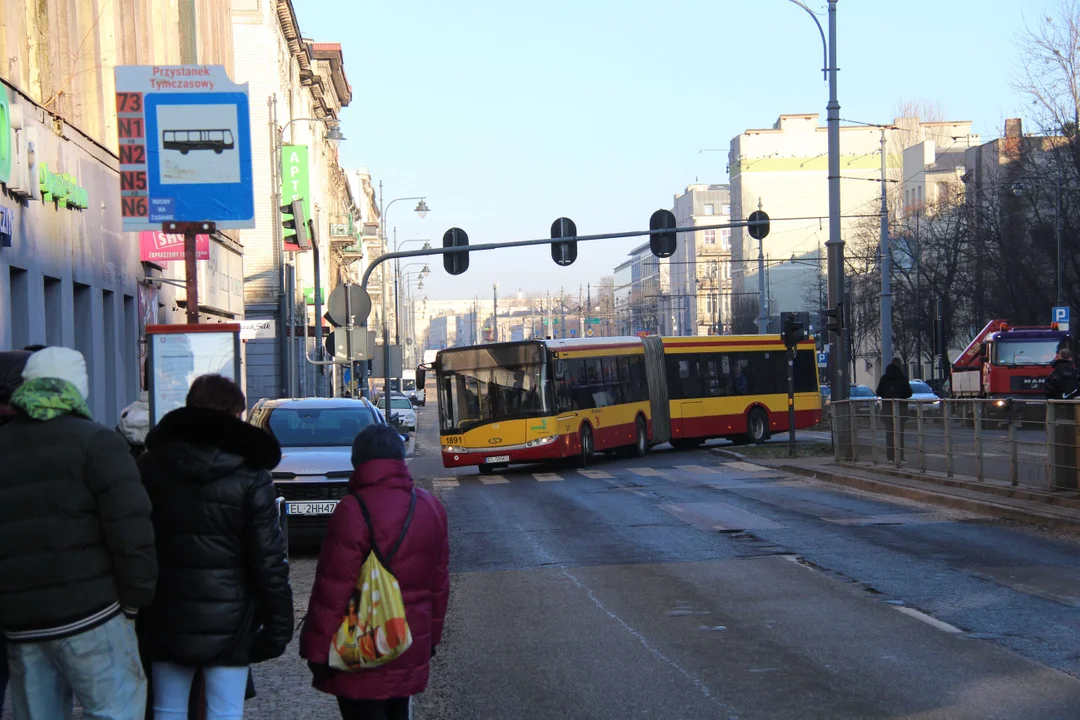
(701, 266)
(785, 169)
(642, 294)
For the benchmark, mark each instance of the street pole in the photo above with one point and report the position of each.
(495, 312)
(763, 319)
(320, 376)
(1060, 256)
(886, 267)
(192, 280)
(397, 294)
(386, 305)
(918, 297)
(835, 244)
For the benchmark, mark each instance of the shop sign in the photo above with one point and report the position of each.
(62, 189)
(295, 184)
(159, 247)
(20, 170)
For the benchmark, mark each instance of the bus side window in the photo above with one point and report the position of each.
(805, 380)
(713, 383)
(690, 376)
(612, 391)
(638, 381)
(741, 374)
(625, 386)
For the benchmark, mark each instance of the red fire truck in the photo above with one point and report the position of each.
(1005, 362)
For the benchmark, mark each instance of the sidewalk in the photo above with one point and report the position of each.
(1056, 511)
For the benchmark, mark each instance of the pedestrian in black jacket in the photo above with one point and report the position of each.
(893, 386)
(224, 601)
(76, 549)
(1063, 380)
(12, 363)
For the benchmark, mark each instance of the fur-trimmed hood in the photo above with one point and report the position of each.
(202, 445)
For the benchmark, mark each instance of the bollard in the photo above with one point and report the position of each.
(978, 414)
(898, 435)
(873, 436)
(1051, 421)
(919, 431)
(946, 420)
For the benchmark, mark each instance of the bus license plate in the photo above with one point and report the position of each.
(497, 459)
(311, 508)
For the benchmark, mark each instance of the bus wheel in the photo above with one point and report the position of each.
(641, 441)
(587, 448)
(486, 469)
(757, 426)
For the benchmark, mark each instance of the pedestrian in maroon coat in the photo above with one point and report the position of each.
(420, 565)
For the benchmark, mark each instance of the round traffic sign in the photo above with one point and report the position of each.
(358, 298)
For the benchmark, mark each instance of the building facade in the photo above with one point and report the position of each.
(784, 171)
(701, 266)
(297, 90)
(69, 275)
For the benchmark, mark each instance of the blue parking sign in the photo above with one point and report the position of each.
(1061, 315)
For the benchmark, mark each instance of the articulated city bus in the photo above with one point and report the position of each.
(541, 400)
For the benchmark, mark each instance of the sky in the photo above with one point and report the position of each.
(508, 115)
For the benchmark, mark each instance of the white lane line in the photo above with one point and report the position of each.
(547, 477)
(445, 484)
(646, 472)
(931, 621)
(744, 466)
(493, 480)
(596, 474)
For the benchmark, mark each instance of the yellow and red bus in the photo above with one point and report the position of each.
(539, 400)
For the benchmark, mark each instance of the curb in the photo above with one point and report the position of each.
(934, 497)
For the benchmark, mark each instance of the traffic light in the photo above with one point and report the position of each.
(662, 244)
(792, 329)
(563, 253)
(758, 225)
(833, 319)
(292, 220)
(455, 263)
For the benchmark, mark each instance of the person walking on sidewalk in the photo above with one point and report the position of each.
(12, 363)
(893, 386)
(76, 550)
(1063, 380)
(382, 487)
(224, 601)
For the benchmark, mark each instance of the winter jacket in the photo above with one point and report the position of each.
(1062, 381)
(223, 594)
(76, 541)
(420, 566)
(894, 385)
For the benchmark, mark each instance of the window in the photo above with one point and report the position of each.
(710, 237)
(725, 240)
(20, 308)
(727, 209)
(54, 312)
(708, 208)
(314, 427)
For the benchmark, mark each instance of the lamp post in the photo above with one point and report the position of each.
(423, 273)
(334, 138)
(421, 209)
(397, 271)
(838, 365)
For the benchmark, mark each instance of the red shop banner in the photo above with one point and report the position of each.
(159, 247)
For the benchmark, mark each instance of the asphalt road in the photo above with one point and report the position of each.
(685, 586)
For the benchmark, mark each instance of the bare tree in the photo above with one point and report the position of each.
(1049, 69)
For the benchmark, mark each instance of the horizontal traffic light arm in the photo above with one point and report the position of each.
(545, 241)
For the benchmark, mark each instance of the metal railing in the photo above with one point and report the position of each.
(1023, 443)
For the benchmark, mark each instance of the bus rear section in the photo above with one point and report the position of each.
(735, 387)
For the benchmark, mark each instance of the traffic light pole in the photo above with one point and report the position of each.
(791, 353)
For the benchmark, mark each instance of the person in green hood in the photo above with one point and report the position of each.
(77, 556)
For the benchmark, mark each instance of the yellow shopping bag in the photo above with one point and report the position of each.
(374, 630)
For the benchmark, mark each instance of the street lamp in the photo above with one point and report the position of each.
(421, 209)
(334, 136)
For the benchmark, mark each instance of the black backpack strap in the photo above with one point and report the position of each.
(385, 560)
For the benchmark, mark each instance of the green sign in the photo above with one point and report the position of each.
(62, 189)
(309, 295)
(294, 182)
(594, 321)
(5, 135)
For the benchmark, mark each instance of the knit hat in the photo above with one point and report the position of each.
(377, 442)
(62, 364)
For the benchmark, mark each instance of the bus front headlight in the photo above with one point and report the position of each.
(453, 449)
(541, 441)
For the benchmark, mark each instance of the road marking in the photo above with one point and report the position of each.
(646, 472)
(493, 480)
(744, 466)
(444, 484)
(547, 477)
(718, 516)
(895, 519)
(697, 469)
(596, 474)
(931, 621)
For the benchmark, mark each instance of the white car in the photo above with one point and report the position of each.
(401, 407)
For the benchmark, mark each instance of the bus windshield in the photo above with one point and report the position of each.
(1025, 352)
(486, 384)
